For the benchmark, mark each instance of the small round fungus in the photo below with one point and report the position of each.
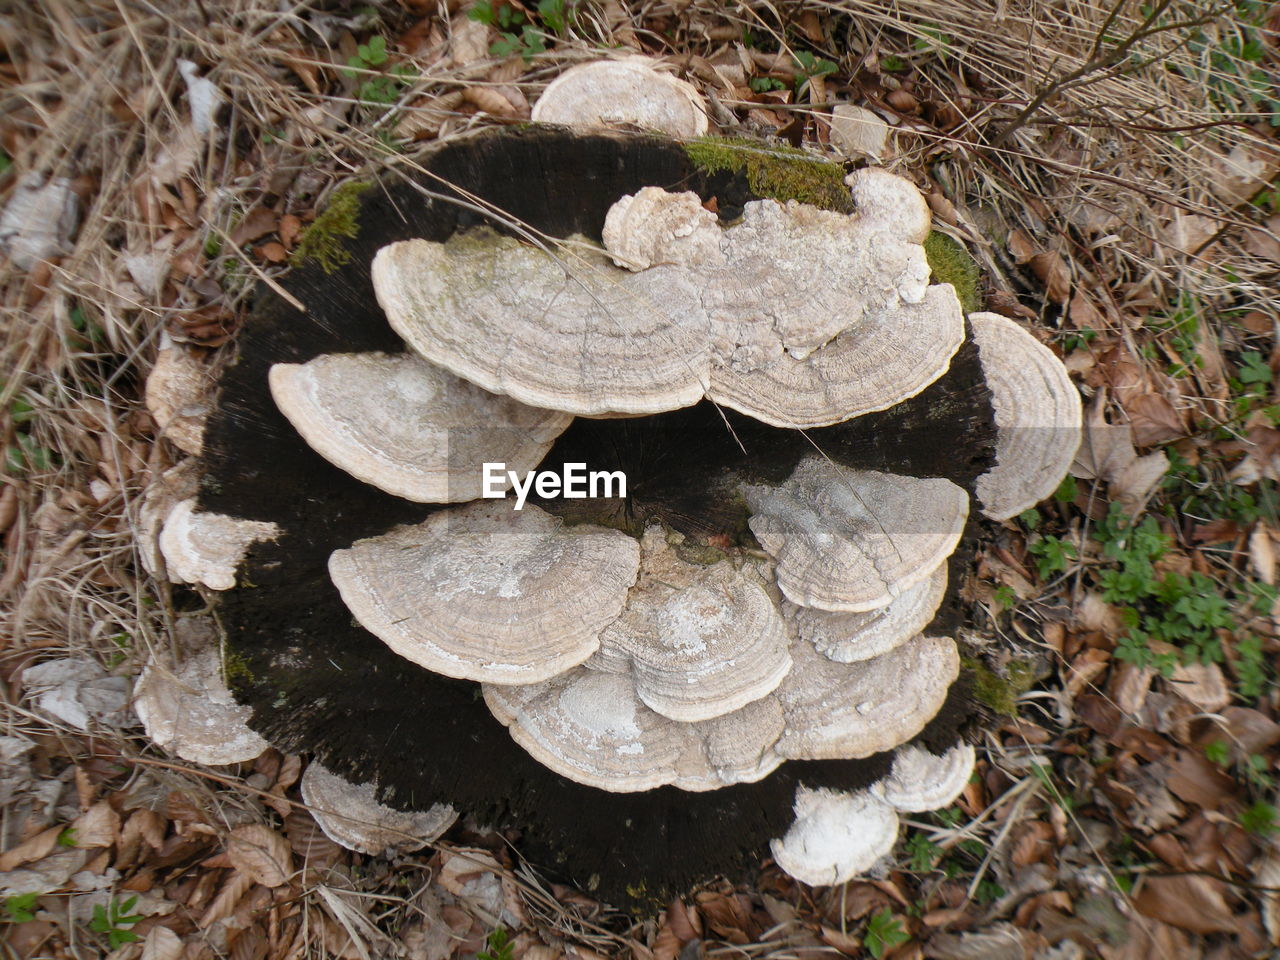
(835, 836)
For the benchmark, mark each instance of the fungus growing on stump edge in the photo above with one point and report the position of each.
(811, 720)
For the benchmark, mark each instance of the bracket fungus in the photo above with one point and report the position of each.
(734, 651)
(627, 92)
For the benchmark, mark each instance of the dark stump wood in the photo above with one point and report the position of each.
(321, 684)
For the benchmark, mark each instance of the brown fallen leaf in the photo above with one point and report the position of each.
(1262, 552)
(96, 827)
(1191, 902)
(1106, 453)
(258, 222)
(1153, 420)
(260, 853)
(1193, 779)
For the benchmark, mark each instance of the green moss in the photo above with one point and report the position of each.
(999, 693)
(235, 669)
(782, 173)
(322, 241)
(951, 263)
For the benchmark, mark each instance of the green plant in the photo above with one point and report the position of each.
(20, 908)
(1004, 596)
(380, 89)
(933, 39)
(922, 853)
(765, 84)
(67, 838)
(1052, 554)
(884, 932)
(809, 66)
(5, 163)
(1229, 65)
(518, 36)
(1218, 752)
(24, 453)
(1180, 328)
(114, 920)
(1044, 774)
(498, 946)
(322, 241)
(1260, 819)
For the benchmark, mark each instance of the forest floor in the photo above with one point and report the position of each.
(1113, 169)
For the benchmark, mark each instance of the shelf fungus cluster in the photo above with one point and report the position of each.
(753, 644)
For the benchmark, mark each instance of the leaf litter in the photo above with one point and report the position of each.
(1128, 809)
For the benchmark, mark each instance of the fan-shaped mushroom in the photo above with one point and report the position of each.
(189, 711)
(849, 637)
(853, 540)
(486, 593)
(591, 727)
(350, 815)
(206, 548)
(1038, 414)
(628, 92)
(747, 315)
(922, 781)
(701, 640)
(408, 427)
(837, 711)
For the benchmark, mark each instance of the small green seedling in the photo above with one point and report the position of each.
(20, 908)
(884, 932)
(381, 89)
(115, 921)
(498, 946)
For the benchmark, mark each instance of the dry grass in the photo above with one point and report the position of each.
(1132, 173)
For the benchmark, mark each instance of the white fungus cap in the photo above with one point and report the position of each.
(591, 727)
(408, 427)
(853, 540)
(189, 711)
(700, 640)
(486, 593)
(835, 836)
(839, 711)
(208, 547)
(797, 316)
(1038, 417)
(849, 637)
(622, 93)
(921, 780)
(350, 815)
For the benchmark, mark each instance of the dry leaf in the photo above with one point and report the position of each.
(257, 223)
(1262, 553)
(1053, 272)
(1106, 453)
(162, 944)
(1153, 420)
(260, 853)
(96, 827)
(1191, 902)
